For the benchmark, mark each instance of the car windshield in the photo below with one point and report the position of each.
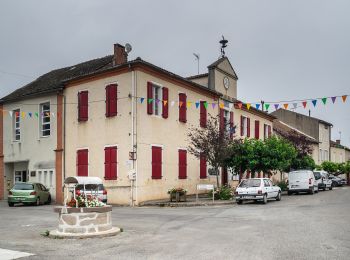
(23, 186)
(89, 187)
(250, 183)
(317, 175)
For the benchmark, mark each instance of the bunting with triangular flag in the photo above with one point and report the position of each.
(333, 99)
(285, 105)
(314, 102)
(304, 104)
(324, 100)
(197, 105)
(141, 100)
(276, 106)
(344, 97)
(267, 106)
(257, 106)
(248, 106)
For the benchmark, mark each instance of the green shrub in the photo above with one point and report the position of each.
(283, 185)
(222, 193)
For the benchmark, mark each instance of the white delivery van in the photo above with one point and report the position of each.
(322, 180)
(302, 181)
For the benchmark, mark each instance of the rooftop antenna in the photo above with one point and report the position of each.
(223, 43)
(128, 48)
(340, 136)
(197, 58)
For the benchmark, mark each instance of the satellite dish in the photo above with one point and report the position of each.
(128, 48)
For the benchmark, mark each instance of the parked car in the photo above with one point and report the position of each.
(323, 181)
(29, 193)
(257, 189)
(336, 181)
(100, 192)
(302, 181)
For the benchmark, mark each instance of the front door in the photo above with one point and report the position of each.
(20, 176)
(224, 176)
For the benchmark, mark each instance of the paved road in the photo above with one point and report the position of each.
(299, 227)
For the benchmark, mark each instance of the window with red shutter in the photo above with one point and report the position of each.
(182, 164)
(182, 107)
(165, 103)
(111, 100)
(82, 162)
(203, 115)
(257, 129)
(231, 125)
(111, 163)
(203, 167)
(248, 127)
(83, 106)
(242, 125)
(156, 162)
(149, 98)
(222, 120)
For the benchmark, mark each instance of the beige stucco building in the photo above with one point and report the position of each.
(127, 122)
(134, 130)
(339, 153)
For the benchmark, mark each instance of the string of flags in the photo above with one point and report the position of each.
(293, 104)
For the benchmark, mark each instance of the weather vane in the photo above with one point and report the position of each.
(223, 43)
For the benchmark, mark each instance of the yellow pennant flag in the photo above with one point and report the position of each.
(221, 105)
(248, 105)
(189, 103)
(23, 114)
(285, 106)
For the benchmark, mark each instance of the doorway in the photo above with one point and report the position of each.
(20, 176)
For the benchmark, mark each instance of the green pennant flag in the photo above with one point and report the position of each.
(150, 100)
(206, 105)
(267, 106)
(324, 100)
(36, 114)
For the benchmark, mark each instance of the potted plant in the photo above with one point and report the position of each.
(178, 194)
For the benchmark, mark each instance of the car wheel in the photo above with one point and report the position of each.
(239, 202)
(278, 198)
(331, 187)
(11, 204)
(37, 202)
(49, 200)
(265, 199)
(312, 191)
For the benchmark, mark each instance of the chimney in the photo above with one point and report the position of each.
(337, 141)
(120, 56)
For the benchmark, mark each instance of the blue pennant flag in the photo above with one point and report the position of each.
(314, 102)
(197, 104)
(257, 106)
(30, 114)
(142, 99)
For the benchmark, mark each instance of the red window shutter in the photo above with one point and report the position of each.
(242, 126)
(83, 106)
(248, 127)
(269, 131)
(111, 163)
(156, 162)
(182, 108)
(182, 164)
(165, 104)
(231, 125)
(265, 133)
(111, 100)
(149, 96)
(203, 115)
(82, 162)
(203, 167)
(257, 129)
(222, 122)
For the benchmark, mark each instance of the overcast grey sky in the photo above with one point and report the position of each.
(281, 50)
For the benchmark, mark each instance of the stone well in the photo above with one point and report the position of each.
(84, 222)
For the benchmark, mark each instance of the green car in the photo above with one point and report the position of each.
(29, 193)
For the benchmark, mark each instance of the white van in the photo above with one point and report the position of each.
(302, 181)
(322, 179)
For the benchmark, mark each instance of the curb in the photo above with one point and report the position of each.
(188, 204)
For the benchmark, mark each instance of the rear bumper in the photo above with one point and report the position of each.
(249, 197)
(15, 199)
(300, 190)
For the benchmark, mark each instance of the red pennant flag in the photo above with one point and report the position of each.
(304, 104)
(240, 105)
(344, 97)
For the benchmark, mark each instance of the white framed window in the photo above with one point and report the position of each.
(158, 100)
(45, 120)
(227, 121)
(266, 131)
(244, 126)
(16, 123)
